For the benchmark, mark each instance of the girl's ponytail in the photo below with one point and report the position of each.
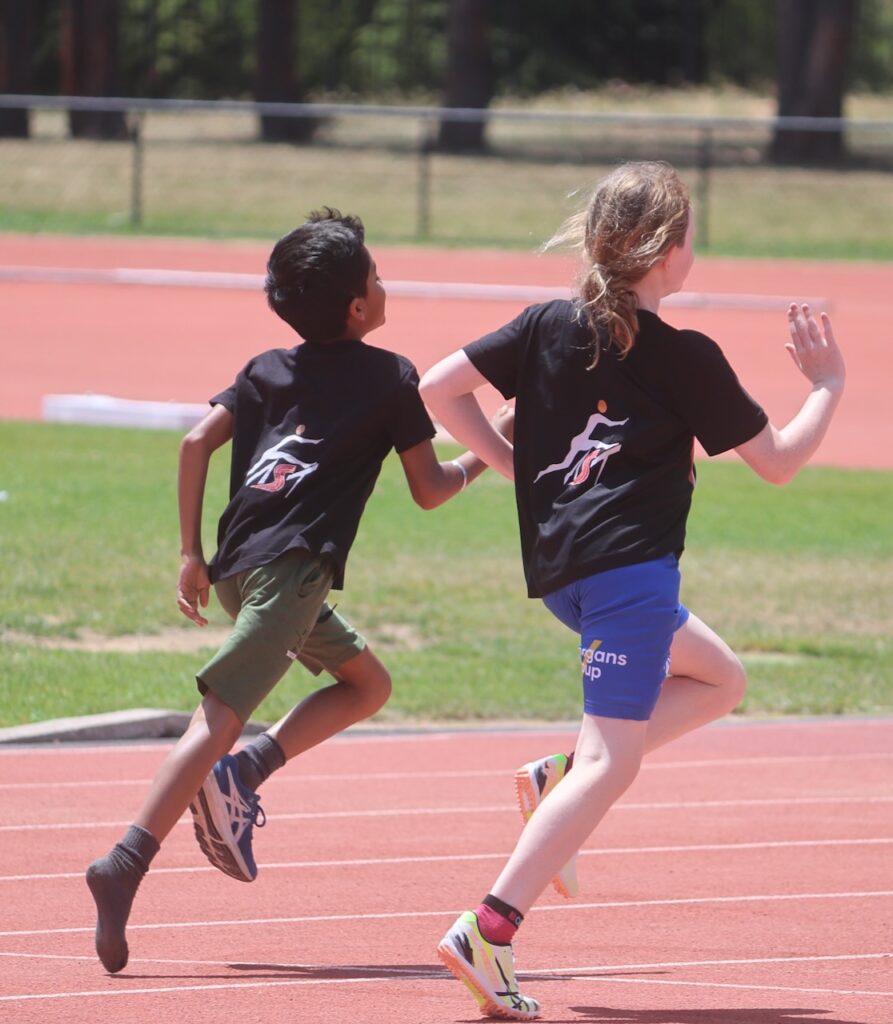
(633, 218)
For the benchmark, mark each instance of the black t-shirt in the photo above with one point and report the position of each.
(604, 468)
(312, 426)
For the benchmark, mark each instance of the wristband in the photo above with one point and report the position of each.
(464, 473)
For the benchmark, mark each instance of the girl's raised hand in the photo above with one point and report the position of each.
(814, 348)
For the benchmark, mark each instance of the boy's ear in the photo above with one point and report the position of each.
(357, 308)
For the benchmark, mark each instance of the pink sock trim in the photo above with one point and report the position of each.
(494, 927)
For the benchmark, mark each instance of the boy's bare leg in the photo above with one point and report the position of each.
(212, 732)
(362, 686)
(114, 879)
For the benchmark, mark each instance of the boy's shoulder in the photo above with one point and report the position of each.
(320, 358)
(353, 355)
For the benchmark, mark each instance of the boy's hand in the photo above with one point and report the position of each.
(193, 587)
(503, 421)
(814, 349)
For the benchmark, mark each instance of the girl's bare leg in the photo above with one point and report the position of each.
(606, 760)
(706, 681)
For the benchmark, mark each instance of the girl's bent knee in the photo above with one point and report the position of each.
(616, 771)
(736, 684)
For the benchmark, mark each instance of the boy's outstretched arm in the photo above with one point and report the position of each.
(778, 454)
(448, 390)
(432, 482)
(196, 449)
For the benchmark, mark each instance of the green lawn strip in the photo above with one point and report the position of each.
(797, 579)
(206, 175)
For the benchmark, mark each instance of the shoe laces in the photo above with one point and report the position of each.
(258, 817)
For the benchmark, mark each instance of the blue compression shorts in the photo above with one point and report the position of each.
(626, 619)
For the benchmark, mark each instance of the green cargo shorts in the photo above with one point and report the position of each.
(280, 615)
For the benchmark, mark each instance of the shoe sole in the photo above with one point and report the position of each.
(528, 802)
(224, 856)
(464, 972)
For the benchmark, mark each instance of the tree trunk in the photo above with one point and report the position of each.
(89, 65)
(814, 44)
(469, 81)
(277, 79)
(16, 47)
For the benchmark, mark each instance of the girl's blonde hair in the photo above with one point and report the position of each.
(632, 220)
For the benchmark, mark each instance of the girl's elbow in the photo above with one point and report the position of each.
(427, 388)
(777, 472)
(778, 476)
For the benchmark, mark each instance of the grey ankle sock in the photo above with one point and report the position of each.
(259, 760)
(113, 881)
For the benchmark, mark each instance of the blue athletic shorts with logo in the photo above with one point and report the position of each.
(626, 619)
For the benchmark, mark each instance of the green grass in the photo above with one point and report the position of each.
(799, 580)
(206, 174)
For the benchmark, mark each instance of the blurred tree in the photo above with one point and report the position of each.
(277, 79)
(812, 62)
(469, 74)
(399, 50)
(16, 46)
(89, 64)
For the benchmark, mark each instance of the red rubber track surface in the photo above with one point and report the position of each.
(185, 344)
(744, 879)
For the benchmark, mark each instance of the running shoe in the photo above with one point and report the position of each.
(224, 814)
(533, 782)
(486, 970)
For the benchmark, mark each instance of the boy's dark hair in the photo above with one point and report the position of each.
(316, 271)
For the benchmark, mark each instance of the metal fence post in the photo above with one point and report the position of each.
(705, 162)
(136, 174)
(423, 199)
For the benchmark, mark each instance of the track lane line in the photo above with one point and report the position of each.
(450, 858)
(482, 809)
(419, 914)
(293, 778)
(437, 974)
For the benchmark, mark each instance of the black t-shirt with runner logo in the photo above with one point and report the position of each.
(604, 469)
(312, 426)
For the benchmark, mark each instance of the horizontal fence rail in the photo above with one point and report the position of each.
(521, 150)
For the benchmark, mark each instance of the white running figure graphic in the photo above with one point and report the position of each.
(586, 451)
(276, 465)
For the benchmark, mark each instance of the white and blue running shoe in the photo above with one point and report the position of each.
(224, 814)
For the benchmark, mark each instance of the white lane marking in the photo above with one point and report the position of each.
(471, 773)
(417, 914)
(504, 808)
(390, 974)
(457, 858)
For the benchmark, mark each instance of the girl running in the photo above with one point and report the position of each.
(609, 400)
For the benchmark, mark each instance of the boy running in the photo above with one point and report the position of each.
(310, 427)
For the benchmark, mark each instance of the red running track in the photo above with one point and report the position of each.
(744, 879)
(185, 344)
